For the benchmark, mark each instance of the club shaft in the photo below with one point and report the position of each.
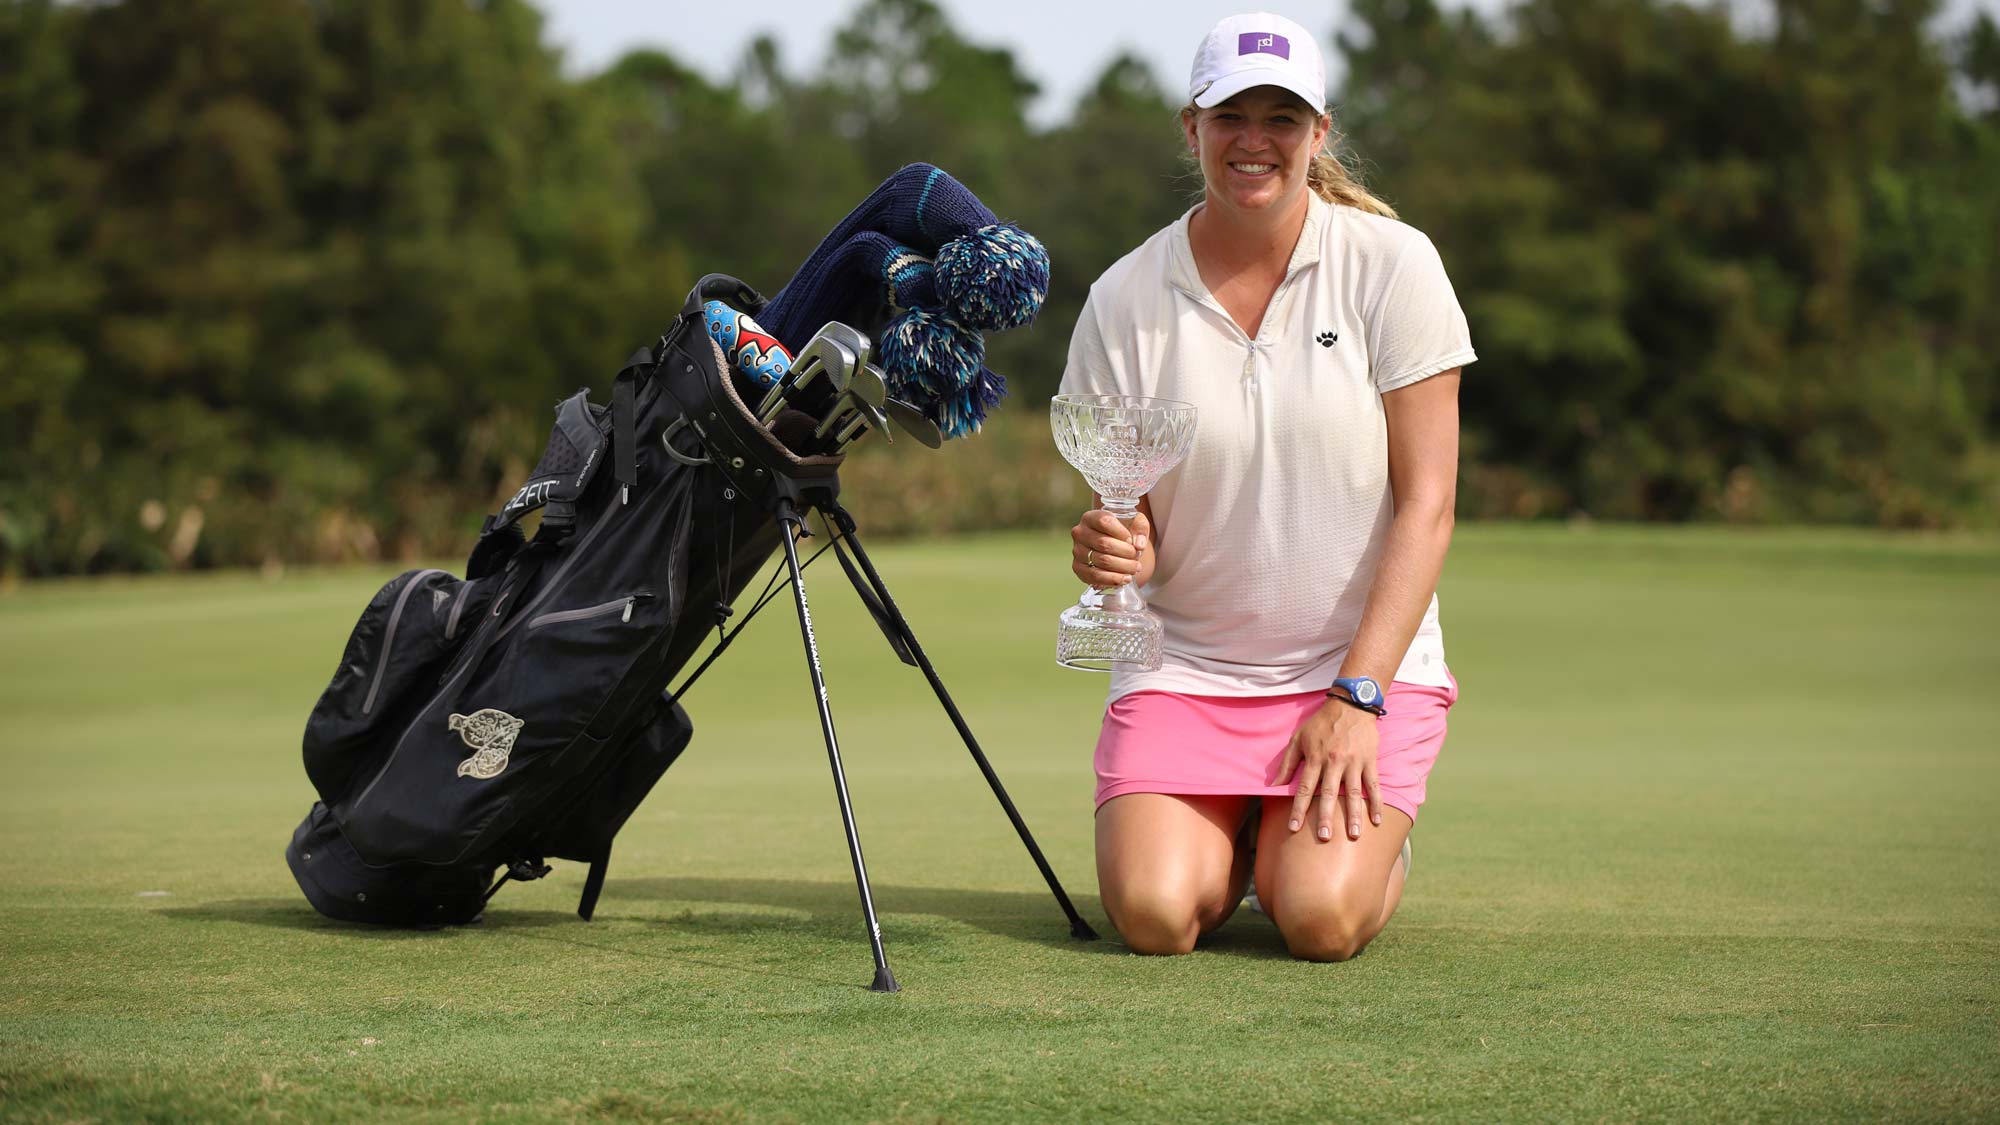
(843, 407)
(777, 396)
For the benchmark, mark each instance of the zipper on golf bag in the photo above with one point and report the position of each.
(621, 606)
(407, 633)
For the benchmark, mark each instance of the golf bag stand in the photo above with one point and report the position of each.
(756, 471)
(874, 593)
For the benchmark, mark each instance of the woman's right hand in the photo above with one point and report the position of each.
(1105, 553)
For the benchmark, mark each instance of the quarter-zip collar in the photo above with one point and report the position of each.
(1186, 277)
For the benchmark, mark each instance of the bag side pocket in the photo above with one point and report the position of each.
(389, 668)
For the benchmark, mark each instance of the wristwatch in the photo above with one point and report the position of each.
(1361, 692)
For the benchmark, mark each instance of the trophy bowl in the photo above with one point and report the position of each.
(1123, 445)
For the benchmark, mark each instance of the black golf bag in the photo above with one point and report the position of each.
(489, 723)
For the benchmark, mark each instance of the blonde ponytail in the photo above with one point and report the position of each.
(1327, 176)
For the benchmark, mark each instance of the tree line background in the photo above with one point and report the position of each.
(299, 280)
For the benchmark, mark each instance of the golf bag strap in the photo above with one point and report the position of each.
(593, 884)
(496, 545)
(625, 422)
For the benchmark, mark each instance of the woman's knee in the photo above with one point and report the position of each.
(1327, 932)
(1165, 866)
(1153, 920)
(1161, 920)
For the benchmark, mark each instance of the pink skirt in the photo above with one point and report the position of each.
(1166, 742)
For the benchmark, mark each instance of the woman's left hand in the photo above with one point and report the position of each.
(1335, 746)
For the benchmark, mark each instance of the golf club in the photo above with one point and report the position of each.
(867, 415)
(856, 344)
(864, 388)
(913, 422)
(824, 352)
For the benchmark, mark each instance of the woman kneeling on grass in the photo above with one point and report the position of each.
(1294, 554)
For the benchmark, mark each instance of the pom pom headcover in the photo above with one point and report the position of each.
(923, 252)
(994, 278)
(927, 357)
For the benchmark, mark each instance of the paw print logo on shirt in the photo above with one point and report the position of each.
(1327, 339)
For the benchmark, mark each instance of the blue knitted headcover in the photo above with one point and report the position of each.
(924, 268)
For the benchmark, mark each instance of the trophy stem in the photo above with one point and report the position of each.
(1126, 508)
(1122, 599)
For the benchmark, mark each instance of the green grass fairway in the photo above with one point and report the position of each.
(1716, 835)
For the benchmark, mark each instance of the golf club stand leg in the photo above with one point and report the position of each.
(790, 521)
(843, 525)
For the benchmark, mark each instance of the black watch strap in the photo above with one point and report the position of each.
(1374, 709)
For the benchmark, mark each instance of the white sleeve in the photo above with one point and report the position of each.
(1416, 329)
(1091, 370)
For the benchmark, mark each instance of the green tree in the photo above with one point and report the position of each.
(903, 85)
(285, 280)
(1102, 183)
(324, 264)
(47, 289)
(1711, 274)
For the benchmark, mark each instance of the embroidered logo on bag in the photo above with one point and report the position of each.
(1327, 339)
(491, 735)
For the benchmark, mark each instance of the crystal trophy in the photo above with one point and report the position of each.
(1123, 445)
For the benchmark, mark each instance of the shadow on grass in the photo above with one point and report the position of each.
(819, 909)
(836, 907)
(556, 927)
(295, 914)
(1020, 915)
(915, 917)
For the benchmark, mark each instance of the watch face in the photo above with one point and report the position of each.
(1366, 691)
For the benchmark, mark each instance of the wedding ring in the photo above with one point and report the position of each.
(1089, 558)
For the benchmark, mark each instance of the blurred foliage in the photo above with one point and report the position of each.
(286, 280)
(1710, 274)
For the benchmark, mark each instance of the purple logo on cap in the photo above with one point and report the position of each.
(1263, 43)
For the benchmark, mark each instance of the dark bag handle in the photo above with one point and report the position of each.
(730, 291)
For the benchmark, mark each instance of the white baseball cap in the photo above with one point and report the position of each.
(1257, 49)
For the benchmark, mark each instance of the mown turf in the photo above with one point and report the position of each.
(1714, 837)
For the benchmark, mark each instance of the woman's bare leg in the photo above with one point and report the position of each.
(1168, 867)
(1329, 898)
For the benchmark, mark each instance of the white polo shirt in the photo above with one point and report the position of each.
(1270, 530)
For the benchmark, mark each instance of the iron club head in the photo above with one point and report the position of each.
(914, 422)
(855, 340)
(826, 353)
(869, 386)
